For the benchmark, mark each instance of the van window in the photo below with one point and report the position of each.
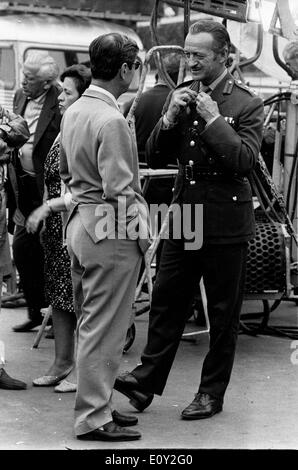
(7, 68)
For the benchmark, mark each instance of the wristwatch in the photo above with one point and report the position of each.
(48, 203)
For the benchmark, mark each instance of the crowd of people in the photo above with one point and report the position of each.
(82, 226)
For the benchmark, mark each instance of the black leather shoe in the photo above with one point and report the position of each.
(128, 385)
(203, 406)
(124, 420)
(8, 383)
(28, 325)
(110, 432)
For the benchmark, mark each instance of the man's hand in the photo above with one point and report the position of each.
(206, 107)
(37, 216)
(3, 147)
(179, 100)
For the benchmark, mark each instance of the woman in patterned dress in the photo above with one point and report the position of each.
(57, 262)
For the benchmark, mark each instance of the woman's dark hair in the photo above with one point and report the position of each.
(80, 74)
(221, 38)
(108, 52)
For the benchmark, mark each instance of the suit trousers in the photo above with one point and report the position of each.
(27, 249)
(29, 259)
(5, 258)
(223, 271)
(104, 278)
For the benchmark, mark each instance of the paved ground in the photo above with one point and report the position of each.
(260, 410)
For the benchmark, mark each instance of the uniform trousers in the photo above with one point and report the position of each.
(223, 269)
(104, 276)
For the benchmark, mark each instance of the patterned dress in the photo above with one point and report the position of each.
(58, 283)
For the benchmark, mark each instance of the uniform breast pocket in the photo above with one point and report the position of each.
(230, 191)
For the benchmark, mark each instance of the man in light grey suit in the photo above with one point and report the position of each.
(99, 165)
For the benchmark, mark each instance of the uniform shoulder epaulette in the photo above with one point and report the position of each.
(228, 87)
(242, 85)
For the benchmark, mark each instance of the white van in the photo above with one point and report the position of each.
(65, 38)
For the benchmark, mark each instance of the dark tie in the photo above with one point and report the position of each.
(25, 105)
(195, 85)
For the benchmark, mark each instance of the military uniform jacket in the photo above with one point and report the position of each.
(228, 149)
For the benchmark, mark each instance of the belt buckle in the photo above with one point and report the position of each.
(188, 172)
(189, 175)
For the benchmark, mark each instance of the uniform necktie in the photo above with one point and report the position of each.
(195, 85)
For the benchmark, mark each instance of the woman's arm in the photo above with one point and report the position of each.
(57, 204)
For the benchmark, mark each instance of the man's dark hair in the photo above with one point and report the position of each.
(221, 38)
(108, 52)
(80, 74)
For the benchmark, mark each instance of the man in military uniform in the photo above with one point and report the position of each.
(213, 126)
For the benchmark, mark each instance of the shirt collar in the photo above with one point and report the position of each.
(104, 92)
(39, 99)
(218, 79)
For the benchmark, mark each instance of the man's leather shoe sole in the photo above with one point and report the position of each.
(123, 419)
(110, 432)
(139, 400)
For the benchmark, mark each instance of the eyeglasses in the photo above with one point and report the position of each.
(137, 64)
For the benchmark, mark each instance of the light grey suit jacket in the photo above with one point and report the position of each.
(99, 164)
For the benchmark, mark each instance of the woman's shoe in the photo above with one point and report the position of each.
(65, 387)
(50, 380)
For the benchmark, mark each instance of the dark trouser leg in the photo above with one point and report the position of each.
(224, 277)
(29, 260)
(172, 293)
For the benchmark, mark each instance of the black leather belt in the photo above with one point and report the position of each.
(195, 173)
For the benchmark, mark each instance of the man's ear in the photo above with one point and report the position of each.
(123, 70)
(224, 55)
(47, 84)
